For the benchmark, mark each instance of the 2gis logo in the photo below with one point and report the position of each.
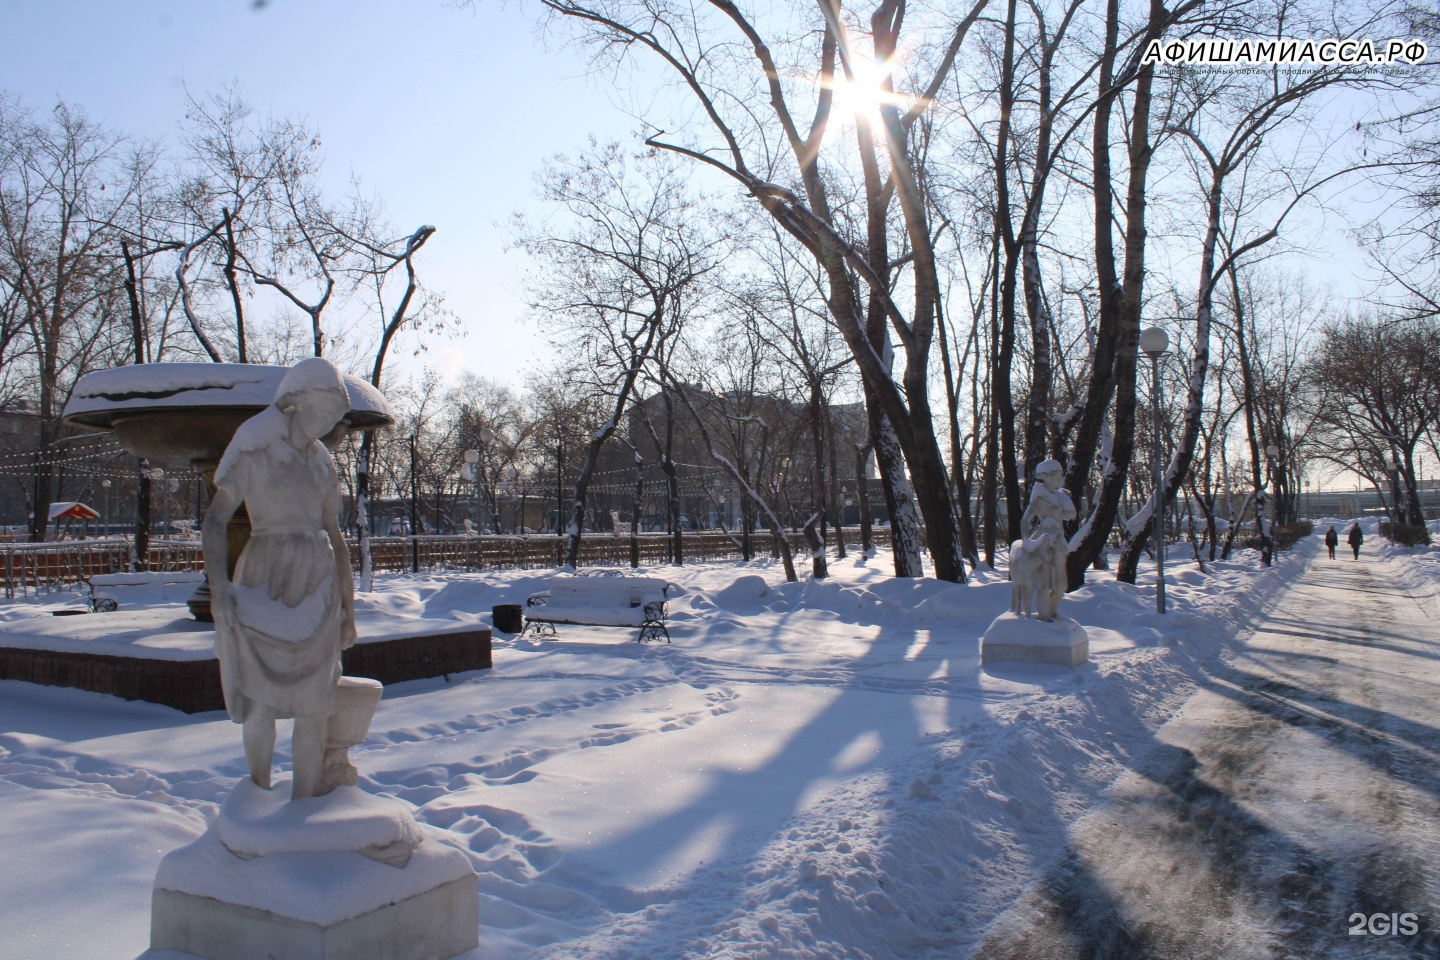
(1383, 924)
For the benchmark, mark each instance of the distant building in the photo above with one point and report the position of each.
(768, 439)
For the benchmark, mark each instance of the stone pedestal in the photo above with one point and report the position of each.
(326, 878)
(1016, 639)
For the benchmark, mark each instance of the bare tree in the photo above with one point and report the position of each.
(255, 213)
(1225, 123)
(785, 306)
(693, 399)
(1374, 375)
(621, 269)
(758, 146)
(382, 260)
(67, 186)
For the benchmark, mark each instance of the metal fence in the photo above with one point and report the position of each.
(539, 551)
(38, 568)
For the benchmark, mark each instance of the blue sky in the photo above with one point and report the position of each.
(444, 112)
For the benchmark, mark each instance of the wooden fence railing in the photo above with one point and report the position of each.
(42, 567)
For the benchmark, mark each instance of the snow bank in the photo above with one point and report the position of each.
(1416, 569)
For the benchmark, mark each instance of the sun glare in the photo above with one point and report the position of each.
(860, 96)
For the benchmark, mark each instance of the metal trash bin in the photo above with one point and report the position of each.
(508, 617)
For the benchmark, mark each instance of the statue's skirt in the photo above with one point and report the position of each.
(285, 652)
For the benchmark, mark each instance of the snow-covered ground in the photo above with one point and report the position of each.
(153, 623)
(1288, 804)
(810, 770)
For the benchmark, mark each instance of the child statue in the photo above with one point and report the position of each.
(1047, 499)
(288, 610)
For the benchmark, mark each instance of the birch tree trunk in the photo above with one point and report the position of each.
(905, 542)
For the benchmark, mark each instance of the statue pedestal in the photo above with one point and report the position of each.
(1016, 639)
(315, 879)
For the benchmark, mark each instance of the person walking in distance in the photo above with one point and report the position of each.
(1332, 540)
(1355, 539)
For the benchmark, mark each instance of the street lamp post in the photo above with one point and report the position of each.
(487, 436)
(471, 472)
(559, 477)
(784, 494)
(1272, 453)
(511, 474)
(414, 508)
(105, 485)
(1155, 342)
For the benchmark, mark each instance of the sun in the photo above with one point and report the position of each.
(861, 95)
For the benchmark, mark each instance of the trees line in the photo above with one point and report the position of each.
(991, 201)
(879, 206)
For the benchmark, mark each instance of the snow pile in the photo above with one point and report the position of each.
(320, 888)
(811, 770)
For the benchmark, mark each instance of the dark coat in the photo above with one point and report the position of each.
(1331, 537)
(1356, 537)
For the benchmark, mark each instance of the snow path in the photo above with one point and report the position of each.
(1298, 787)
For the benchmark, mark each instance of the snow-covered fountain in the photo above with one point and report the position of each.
(152, 648)
(174, 412)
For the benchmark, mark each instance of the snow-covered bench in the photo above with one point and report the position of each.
(601, 602)
(144, 587)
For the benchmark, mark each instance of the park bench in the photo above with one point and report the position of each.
(142, 587)
(601, 601)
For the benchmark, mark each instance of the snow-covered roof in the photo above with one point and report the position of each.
(73, 510)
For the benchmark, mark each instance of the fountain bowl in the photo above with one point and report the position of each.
(189, 412)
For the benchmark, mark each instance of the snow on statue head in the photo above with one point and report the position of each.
(285, 612)
(313, 394)
(1037, 564)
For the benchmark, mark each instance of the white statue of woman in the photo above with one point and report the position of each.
(282, 621)
(1049, 509)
